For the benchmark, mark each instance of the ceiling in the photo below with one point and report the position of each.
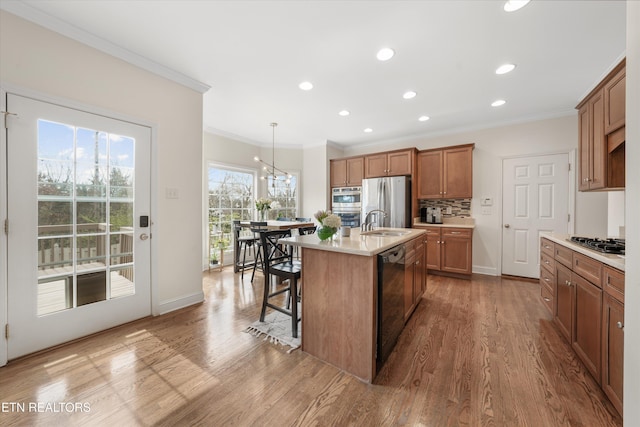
(253, 55)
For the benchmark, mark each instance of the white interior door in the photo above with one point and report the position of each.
(535, 199)
(78, 249)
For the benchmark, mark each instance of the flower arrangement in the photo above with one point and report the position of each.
(330, 224)
(263, 205)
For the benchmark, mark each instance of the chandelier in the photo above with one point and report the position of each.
(270, 169)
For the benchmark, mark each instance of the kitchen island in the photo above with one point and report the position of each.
(340, 296)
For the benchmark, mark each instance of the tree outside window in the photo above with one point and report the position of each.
(284, 196)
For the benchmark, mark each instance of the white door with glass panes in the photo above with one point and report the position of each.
(78, 208)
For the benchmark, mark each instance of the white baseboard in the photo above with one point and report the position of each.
(489, 271)
(178, 303)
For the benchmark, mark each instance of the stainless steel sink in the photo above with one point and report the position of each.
(385, 233)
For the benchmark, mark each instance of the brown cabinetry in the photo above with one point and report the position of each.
(393, 163)
(589, 312)
(449, 249)
(547, 274)
(601, 120)
(446, 173)
(346, 172)
(613, 336)
(414, 275)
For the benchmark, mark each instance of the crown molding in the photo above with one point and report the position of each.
(602, 76)
(52, 23)
(238, 138)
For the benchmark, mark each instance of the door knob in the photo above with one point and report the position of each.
(144, 236)
(507, 226)
(620, 325)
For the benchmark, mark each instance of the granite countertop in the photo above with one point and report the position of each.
(612, 260)
(357, 243)
(456, 221)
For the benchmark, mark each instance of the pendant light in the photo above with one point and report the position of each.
(271, 169)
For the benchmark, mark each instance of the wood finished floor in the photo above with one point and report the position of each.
(475, 353)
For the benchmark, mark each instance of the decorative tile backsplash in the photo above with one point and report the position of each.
(459, 207)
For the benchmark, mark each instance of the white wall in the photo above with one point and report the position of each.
(491, 146)
(632, 204)
(45, 62)
(615, 214)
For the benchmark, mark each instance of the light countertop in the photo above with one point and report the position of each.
(612, 260)
(456, 222)
(356, 244)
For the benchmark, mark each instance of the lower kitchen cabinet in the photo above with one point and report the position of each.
(613, 336)
(589, 313)
(449, 249)
(414, 275)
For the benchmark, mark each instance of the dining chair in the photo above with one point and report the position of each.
(256, 227)
(244, 242)
(278, 262)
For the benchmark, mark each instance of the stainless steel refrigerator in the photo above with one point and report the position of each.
(392, 195)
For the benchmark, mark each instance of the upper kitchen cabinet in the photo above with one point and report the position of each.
(446, 173)
(392, 163)
(347, 172)
(601, 134)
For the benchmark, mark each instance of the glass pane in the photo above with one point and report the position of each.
(54, 295)
(121, 248)
(91, 287)
(121, 151)
(121, 182)
(122, 283)
(90, 252)
(55, 141)
(55, 256)
(55, 218)
(55, 178)
(121, 216)
(91, 217)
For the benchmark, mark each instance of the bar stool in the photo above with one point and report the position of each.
(278, 262)
(242, 244)
(256, 227)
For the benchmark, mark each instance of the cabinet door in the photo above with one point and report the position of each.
(613, 350)
(598, 152)
(355, 171)
(430, 175)
(399, 163)
(614, 102)
(419, 279)
(584, 170)
(563, 313)
(456, 250)
(587, 328)
(433, 248)
(375, 165)
(338, 172)
(458, 173)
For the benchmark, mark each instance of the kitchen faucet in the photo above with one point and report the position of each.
(366, 224)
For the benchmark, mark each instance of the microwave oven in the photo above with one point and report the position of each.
(346, 199)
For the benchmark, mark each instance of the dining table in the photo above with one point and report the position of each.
(271, 225)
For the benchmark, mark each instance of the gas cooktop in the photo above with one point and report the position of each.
(608, 246)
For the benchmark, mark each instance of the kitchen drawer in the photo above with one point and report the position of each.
(547, 246)
(457, 232)
(547, 298)
(433, 231)
(547, 279)
(563, 255)
(547, 262)
(588, 268)
(613, 282)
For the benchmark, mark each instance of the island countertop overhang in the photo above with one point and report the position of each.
(357, 243)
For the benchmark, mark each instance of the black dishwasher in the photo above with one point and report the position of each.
(390, 301)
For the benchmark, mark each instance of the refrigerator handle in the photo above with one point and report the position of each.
(385, 202)
(380, 195)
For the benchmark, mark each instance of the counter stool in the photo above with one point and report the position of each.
(242, 244)
(277, 261)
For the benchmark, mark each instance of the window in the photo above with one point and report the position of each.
(231, 197)
(284, 195)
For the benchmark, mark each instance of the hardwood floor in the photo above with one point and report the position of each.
(480, 352)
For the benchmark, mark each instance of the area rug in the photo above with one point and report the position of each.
(277, 329)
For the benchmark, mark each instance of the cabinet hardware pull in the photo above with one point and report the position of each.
(546, 262)
(546, 279)
(568, 283)
(547, 299)
(620, 325)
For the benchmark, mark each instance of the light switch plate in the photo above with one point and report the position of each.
(486, 210)
(487, 201)
(172, 193)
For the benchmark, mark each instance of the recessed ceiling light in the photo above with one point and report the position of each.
(410, 94)
(344, 113)
(423, 118)
(498, 103)
(385, 54)
(368, 130)
(306, 86)
(505, 68)
(513, 5)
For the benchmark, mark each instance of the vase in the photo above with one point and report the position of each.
(263, 215)
(325, 233)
